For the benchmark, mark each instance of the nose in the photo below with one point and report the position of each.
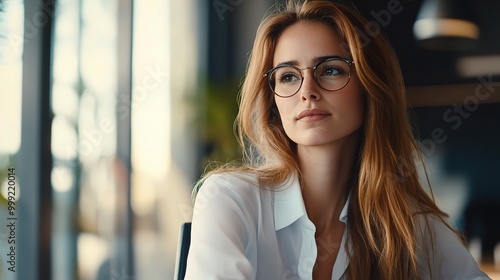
(309, 90)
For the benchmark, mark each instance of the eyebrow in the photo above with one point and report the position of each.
(315, 60)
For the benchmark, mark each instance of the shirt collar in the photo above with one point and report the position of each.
(343, 213)
(289, 204)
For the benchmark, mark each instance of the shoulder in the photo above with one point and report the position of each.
(446, 255)
(237, 183)
(229, 189)
(224, 235)
(233, 179)
(432, 230)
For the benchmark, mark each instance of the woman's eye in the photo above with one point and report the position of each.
(288, 78)
(332, 71)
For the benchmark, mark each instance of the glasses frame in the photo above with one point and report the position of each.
(268, 74)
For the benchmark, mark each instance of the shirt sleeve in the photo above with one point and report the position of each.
(449, 259)
(219, 234)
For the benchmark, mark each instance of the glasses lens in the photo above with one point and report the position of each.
(285, 81)
(333, 74)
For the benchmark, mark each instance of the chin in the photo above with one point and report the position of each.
(323, 139)
(314, 142)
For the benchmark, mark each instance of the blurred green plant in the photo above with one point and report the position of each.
(216, 124)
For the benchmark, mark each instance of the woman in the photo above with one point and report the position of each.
(329, 188)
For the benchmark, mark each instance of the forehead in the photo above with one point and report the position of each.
(304, 41)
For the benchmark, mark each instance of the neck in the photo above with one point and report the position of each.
(327, 173)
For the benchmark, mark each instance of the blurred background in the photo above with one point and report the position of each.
(112, 109)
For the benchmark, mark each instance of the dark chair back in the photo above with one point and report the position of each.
(182, 251)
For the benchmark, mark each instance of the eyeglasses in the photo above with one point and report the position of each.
(331, 74)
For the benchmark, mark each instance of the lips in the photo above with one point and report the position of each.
(313, 115)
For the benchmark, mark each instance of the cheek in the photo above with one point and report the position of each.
(285, 111)
(284, 108)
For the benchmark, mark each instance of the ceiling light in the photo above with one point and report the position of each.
(445, 25)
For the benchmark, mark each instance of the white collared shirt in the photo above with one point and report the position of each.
(241, 231)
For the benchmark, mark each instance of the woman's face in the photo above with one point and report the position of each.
(315, 116)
